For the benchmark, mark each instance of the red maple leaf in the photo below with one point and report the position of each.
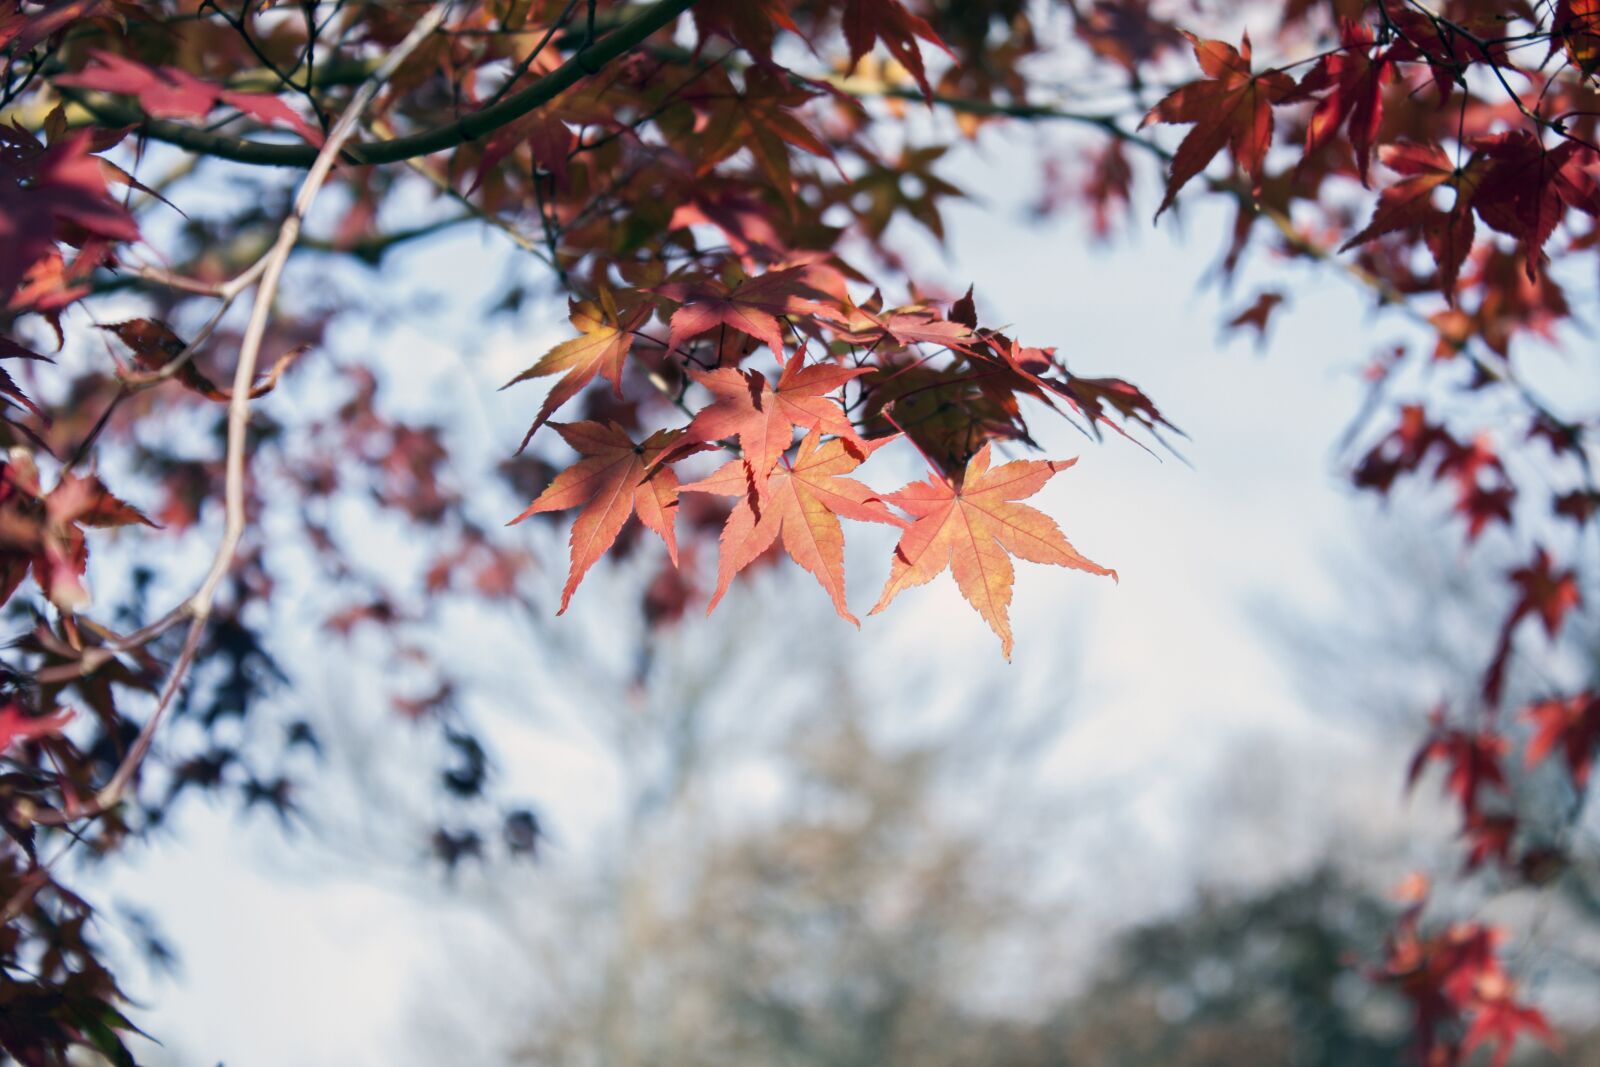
(1352, 80)
(867, 21)
(1579, 505)
(1571, 724)
(42, 531)
(1407, 205)
(50, 194)
(750, 305)
(1231, 108)
(1472, 759)
(1092, 396)
(23, 27)
(1499, 1019)
(870, 326)
(1527, 188)
(167, 92)
(1488, 837)
(16, 725)
(1545, 592)
(752, 24)
(1258, 314)
(1576, 28)
(549, 139)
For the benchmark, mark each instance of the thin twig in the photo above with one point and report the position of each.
(197, 608)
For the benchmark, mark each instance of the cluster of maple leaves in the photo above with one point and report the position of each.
(716, 213)
(1523, 164)
(967, 521)
(1459, 990)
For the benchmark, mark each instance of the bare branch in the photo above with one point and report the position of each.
(586, 61)
(197, 608)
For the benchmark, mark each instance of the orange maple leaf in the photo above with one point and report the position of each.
(971, 529)
(763, 418)
(1232, 107)
(600, 348)
(1577, 27)
(803, 503)
(615, 480)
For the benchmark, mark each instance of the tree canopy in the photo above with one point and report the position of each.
(730, 195)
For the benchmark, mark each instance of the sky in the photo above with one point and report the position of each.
(292, 953)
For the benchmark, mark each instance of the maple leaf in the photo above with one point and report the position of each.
(1353, 79)
(752, 24)
(155, 345)
(164, 93)
(1576, 27)
(866, 21)
(1544, 591)
(47, 194)
(167, 92)
(762, 117)
(1107, 189)
(1570, 723)
(41, 530)
(615, 480)
(548, 138)
(85, 500)
(1473, 759)
(1231, 108)
(909, 185)
(17, 726)
(1258, 314)
(1480, 506)
(1579, 505)
(22, 28)
(1527, 188)
(916, 324)
(803, 504)
(763, 418)
(750, 305)
(1500, 1019)
(946, 412)
(971, 528)
(1124, 32)
(1488, 837)
(8, 386)
(601, 347)
(741, 218)
(1093, 396)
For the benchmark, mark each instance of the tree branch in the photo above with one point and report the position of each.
(1386, 291)
(197, 608)
(588, 60)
